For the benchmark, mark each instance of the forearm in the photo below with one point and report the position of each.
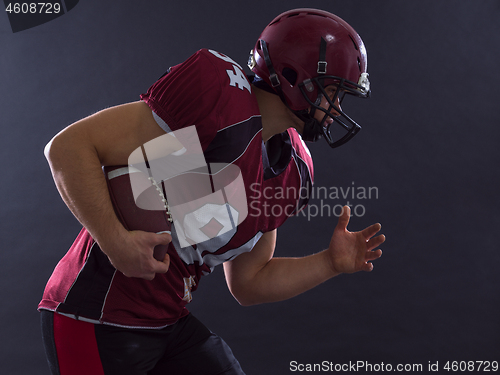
(77, 173)
(284, 278)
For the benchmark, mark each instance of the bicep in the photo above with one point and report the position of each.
(244, 267)
(113, 132)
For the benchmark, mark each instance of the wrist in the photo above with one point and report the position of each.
(110, 237)
(329, 261)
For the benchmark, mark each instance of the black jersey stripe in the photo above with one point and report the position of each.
(90, 287)
(231, 142)
(305, 180)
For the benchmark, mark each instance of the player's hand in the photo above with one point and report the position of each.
(353, 251)
(133, 254)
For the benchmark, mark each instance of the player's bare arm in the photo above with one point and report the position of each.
(257, 277)
(76, 156)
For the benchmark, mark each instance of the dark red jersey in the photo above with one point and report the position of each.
(211, 92)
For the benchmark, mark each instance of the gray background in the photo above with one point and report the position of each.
(429, 144)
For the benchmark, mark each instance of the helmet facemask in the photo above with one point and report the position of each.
(346, 128)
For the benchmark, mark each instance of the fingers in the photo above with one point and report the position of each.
(375, 242)
(156, 267)
(344, 221)
(163, 261)
(371, 230)
(166, 260)
(164, 237)
(372, 255)
(149, 276)
(368, 267)
(153, 251)
(162, 267)
(372, 243)
(344, 218)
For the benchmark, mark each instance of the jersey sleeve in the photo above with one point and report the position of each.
(188, 95)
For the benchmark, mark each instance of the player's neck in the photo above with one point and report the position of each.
(276, 117)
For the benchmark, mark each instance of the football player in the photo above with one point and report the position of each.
(111, 307)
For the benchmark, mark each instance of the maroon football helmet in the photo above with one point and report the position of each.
(299, 54)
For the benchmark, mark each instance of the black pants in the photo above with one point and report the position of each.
(187, 347)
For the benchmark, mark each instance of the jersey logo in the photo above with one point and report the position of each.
(189, 283)
(236, 76)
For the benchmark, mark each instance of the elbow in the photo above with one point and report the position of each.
(52, 152)
(244, 296)
(55, 154)
(48, 150)
(244, 302)
(62, 146)
(54, 148)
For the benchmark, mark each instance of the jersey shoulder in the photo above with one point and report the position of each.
(208, 90)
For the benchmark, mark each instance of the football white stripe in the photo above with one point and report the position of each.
(122, 171)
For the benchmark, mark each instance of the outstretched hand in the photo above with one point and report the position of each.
(354, 251)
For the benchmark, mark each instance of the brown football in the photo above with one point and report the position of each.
(147, 211)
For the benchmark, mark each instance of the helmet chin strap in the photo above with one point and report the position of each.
(312, 128)
(312, 131)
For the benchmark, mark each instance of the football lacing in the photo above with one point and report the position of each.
(163, 199)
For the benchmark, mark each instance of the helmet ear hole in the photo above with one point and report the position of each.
(353, 42)
(290, 75)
